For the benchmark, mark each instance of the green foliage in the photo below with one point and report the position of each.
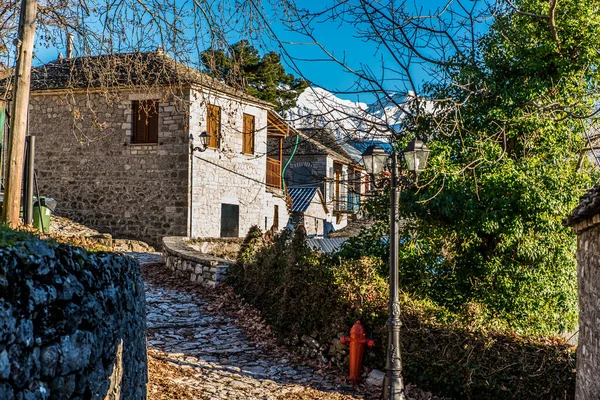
(508, 163)
(242, 67)
(282, 280)
(452, 354)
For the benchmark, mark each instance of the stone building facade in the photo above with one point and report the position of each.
(87, 158)
(228, 176)
(98, 176)
(586, 222)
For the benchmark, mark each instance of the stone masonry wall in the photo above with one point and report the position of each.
(193, 265)
(86, 161)
(72, 324)
(588, 274)
(226, 175)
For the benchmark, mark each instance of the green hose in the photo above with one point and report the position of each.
(288, 162)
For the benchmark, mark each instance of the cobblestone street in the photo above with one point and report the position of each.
(198, 353)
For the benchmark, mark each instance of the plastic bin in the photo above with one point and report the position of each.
(42, 212)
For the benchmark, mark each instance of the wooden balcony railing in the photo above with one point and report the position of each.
(273, 172)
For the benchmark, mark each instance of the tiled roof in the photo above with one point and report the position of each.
(126, 69)
(326, 245)
(353, 228)
(302, 197)
(316, 142)
(589, 205)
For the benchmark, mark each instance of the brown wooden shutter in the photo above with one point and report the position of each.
(145, 121)
(135, 138)
(152, 112)
(248, 134)
(213, 125)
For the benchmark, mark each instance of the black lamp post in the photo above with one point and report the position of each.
(204, 137)
(375, 158)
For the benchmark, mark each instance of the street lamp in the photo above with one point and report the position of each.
(204, 137)
(374, 159)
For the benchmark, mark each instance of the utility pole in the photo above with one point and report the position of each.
(20, 108)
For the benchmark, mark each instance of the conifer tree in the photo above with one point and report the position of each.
(242, 67)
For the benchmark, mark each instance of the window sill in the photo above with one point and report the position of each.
(142, 145)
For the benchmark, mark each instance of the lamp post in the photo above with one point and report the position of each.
(374, 159)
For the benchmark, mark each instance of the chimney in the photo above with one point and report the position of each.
(69, 45)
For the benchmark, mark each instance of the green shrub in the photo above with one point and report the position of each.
(460, 355)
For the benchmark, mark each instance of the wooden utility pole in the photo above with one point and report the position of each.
(18, 118)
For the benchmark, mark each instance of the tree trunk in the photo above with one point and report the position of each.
(20, 108)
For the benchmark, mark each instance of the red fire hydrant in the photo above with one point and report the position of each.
(357, 341)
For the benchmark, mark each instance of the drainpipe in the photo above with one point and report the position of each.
(69, 46)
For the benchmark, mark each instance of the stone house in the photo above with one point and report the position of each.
(309, 210)
(118, 146)
(585, 221)
(320, 160)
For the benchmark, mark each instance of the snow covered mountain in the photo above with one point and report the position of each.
(319, 108)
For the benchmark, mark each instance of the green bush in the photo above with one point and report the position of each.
(459, 355)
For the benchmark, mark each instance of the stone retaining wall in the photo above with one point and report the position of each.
(227, 248)
(200, 268)
(588, 273)
(72, 324)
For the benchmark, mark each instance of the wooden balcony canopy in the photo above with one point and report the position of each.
(277, 127)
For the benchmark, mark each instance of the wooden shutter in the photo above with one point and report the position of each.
(248, 134)
(145, 121)
(213, 125)
(276, 218)
(152, 112)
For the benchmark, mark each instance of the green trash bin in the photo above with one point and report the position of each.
(42, 212)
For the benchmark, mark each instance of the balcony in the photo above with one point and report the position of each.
(273, 173)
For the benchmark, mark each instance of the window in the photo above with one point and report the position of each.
(248, 134)
(145, 121)
(276, 218)
(213, 125)
(230, 220)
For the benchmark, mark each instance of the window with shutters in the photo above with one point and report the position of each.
(145, 121)
(248, 134)
(213, 125)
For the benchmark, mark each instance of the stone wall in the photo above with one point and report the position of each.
(226, 175)
(72, 324)
(191, 264)
(86, 161)
(588, 275)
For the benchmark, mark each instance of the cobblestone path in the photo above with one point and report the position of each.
(200, 354)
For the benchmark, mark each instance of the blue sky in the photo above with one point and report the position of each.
(341, 40)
